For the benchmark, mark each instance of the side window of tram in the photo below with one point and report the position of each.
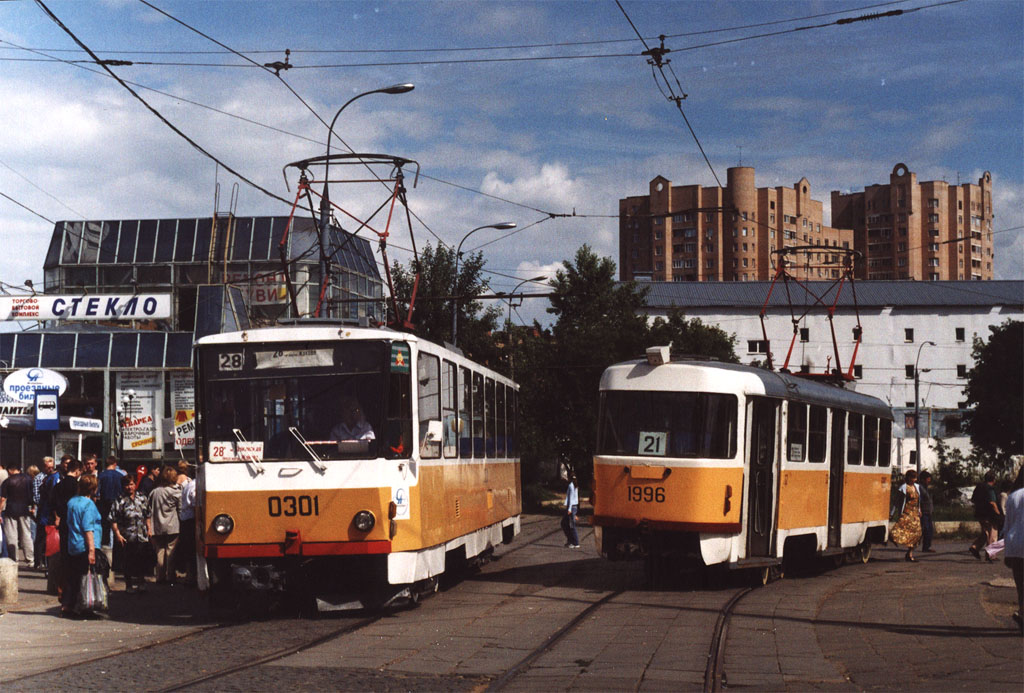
(448, 400)
(796, 435)
(870, 440)
(817, 434)
(478, 416)
(854, 436)
(465, 429)
(489, 416)
(428, 395)
(511, 420)
(500, 418)
(884, 443)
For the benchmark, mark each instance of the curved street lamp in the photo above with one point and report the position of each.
(455, 279)
(917, 404)
(325, 200)
(508, 323)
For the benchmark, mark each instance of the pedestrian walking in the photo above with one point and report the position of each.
(150, 481)
(927, 507)
(986, 512)
(163, 523)
(84, 527)
(62, 495)
(109, 491)
(187, 524)
(572, 505)
(907, 530)
(16, 510)
(128, 522)
(42, 493)
(1013, 537)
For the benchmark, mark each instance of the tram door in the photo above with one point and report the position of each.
(835, 479)
(762, 461)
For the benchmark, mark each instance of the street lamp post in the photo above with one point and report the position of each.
(325, 200)
(508, 324)
(917, 405)
(455, 279)
(124, 412)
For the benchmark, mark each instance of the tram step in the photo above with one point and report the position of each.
(755, 562)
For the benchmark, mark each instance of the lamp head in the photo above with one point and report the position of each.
(504, 225)
(398, 88)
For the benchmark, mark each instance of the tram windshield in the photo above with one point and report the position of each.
(288, 401)
(667, 424)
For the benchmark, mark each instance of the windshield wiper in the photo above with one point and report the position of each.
(314, 458)
(254, 462)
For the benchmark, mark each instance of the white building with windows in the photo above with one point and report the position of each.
(905, 324)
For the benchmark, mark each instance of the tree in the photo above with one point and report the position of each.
(432, 311)
(693, 337)
(599, 322)
(995, 394)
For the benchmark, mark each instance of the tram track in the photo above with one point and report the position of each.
(272, 656)
(714, 674)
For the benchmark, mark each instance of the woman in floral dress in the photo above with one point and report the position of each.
(907, 530)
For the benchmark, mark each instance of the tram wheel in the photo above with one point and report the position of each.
(838, 559)
(864, 552)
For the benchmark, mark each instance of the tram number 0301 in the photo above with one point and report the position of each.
(290, 506)
(646, 494)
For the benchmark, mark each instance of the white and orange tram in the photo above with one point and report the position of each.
(703, 463)
(350, 464)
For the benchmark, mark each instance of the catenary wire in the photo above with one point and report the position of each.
(30, 182)
(153, 110)
(489, 48)
(519, 59)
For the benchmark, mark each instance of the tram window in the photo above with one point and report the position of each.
(884, 442)
(796, 435)
(511, 421)
(669, 424)
(499, 420)
(478, 416)
(465, 429)
(870, 440)
(489, 415)
(448, 395)
(854, 432)
(428, 395)
(817, 434)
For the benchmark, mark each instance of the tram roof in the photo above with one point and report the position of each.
(781, 385)
(870, 293)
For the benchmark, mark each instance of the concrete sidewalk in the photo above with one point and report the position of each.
(35, 638)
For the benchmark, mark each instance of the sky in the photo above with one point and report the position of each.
(549, 106)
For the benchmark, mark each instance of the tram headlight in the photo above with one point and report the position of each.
(364, 520)
(223, 524)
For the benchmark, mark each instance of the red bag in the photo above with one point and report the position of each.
(52, 540)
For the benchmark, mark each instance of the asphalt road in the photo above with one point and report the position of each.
(544, 617)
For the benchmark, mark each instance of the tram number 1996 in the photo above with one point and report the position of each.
(290, 506)
(646, 494)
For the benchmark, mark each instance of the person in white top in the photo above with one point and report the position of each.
(353, 425)
(1013, 536)
(572, 505)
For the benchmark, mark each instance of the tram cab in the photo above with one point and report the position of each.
(351, 463)
(702, 463)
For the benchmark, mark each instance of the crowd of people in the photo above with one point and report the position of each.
(69, 519)
(1000, 516)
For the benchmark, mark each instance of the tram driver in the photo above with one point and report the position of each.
(353, 433)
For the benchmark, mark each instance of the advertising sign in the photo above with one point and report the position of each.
(183, 403)
(142, 411)
(47, 412)
(21, 385)
(90, 307)
(263, 289)
(82, 425)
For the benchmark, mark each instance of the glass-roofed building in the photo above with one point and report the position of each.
(221, 273)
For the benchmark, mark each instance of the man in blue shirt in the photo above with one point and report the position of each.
(109, 491)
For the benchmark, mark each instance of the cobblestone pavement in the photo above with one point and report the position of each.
(942, 623)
